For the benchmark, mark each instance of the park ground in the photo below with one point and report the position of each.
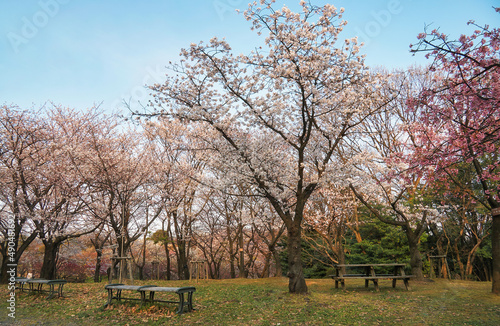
(267, 302)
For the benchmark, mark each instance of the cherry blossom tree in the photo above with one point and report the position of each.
(275, 117)
(178, 168)
(269, 228)
(42, 189)
(98, 240)
(331, 211)
(21, 144)
(460, 118)
(395, 194)
(211, 239)
(230, 210)
(117, 168)
(61, 213)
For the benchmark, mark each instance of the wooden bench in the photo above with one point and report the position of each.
(36, 286)
(370, 275)
(152, 289)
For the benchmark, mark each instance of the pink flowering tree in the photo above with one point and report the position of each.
(459, 119)
(276, 117)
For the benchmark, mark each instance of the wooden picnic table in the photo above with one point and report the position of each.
(369, 274)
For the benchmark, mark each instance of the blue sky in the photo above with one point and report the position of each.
(78, 53)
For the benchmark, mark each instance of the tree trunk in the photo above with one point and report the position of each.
(277, 262)
(459, 260)
(471, 257)
(167, 253)
(415, 257)
(48, 270)
(296, 282)
(143, 249)
(18, 248)
(232, 255)
(97, 272)
(4, 275)
(182, 261)
(267, 264)
(495, 254)
(241, 258)
(141, 272)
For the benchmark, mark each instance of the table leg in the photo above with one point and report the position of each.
(190, 301)
(181, 304)
(375, 283)
(110, 297)
(51, 291)
(143, 297)
(60, 290)
(407, 284)
(152, 296)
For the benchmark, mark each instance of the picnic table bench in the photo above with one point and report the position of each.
(36, 285)
(369, 274)
(152, 289)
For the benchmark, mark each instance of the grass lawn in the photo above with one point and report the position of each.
(267, 302)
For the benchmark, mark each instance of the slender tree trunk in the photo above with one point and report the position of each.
(143, 249)
(277, 263)
(232, 255)
(296, 282)
(167, 251)
(471, 257)
(241, 258)
(459, 260)
(495, 253)
(167, 254)
(97, 272)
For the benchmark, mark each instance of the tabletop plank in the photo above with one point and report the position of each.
(370, 265)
